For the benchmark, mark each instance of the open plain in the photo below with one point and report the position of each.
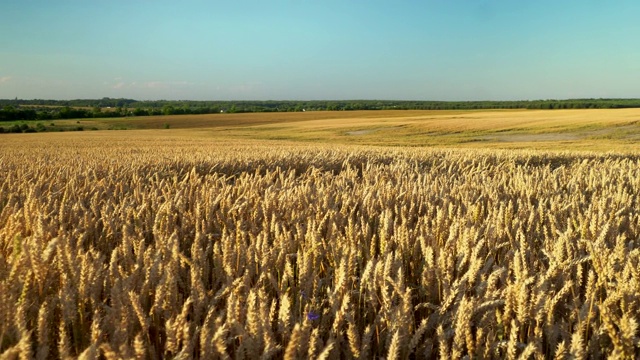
(588, 130)
(354, 235)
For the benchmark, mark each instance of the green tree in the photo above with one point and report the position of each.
(168, 110)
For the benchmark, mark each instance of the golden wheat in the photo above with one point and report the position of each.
(153, 248)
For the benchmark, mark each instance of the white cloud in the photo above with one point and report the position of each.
(157, 85)
(246, 88)
(5, 79)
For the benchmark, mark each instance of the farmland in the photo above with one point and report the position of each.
(324, 235)
(587, 130)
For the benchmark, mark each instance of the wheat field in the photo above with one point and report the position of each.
(584, 130)
(139, 246)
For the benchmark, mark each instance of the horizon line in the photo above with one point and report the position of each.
(313, 100)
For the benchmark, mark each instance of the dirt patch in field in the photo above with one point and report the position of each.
(371, 131)
(536, 137)
(361, 132)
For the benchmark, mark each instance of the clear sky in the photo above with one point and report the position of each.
(321, 49)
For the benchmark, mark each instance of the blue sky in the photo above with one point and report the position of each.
(305, 50)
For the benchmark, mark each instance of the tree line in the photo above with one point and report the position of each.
(18, 109)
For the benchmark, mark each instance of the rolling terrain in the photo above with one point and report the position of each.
(306, 235)
(593, 129)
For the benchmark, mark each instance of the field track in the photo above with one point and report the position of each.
(595, 129)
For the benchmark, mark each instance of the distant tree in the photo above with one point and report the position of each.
(44, 115)
(97, 111)
(168, 110)
(140, 112)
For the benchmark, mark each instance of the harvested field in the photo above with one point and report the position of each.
(586, 130)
